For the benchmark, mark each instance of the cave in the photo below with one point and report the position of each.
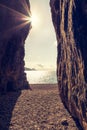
(69, 18)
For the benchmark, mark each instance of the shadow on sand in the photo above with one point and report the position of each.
(7, 104)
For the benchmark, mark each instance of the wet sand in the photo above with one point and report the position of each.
(39, 109)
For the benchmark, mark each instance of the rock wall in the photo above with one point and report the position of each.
(14, 28)
(70, 22)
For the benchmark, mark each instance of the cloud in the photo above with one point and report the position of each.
(30, 69)
(40, 65)
(34, 66)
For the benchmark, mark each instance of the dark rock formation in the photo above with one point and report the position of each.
(14, 28)
(70, 21)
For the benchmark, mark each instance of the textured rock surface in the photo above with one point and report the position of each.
(14, 28)
(70, 22)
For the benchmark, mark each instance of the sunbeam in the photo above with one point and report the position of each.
(20, 19)
(25, 6)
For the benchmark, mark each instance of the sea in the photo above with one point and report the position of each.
(41, 77)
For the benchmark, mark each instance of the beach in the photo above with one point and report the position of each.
(37, 109)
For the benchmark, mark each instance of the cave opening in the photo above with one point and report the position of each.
(41, 45)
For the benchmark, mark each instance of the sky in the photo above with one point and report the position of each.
(40, 47)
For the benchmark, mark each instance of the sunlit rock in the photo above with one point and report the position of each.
(14, 28)
(70, 22)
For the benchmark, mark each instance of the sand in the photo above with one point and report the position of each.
(39, 109)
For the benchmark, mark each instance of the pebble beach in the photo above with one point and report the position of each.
(37, 109)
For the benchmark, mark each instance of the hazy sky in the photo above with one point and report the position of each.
(40, 47)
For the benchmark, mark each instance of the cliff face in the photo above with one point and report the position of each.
(14, 28)
(70, 22)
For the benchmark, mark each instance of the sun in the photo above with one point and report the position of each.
(35, 21)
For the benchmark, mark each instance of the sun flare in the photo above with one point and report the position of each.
(34, 20)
